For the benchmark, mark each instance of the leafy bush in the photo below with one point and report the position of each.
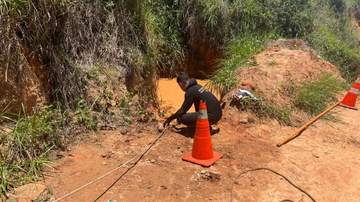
(295, 18)
(341, 52)
(253, 15)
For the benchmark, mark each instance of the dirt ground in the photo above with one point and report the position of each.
(322, 161)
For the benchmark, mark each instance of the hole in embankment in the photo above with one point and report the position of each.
(200, 63)
(171, 97)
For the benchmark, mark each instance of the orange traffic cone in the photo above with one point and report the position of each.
(350, 98)
(202, 152)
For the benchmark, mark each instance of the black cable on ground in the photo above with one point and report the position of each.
(132, 165)
(232, 187)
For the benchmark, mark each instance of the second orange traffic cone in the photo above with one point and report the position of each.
(202, 152)
(350, 98)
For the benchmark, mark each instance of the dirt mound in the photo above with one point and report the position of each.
(282, 63)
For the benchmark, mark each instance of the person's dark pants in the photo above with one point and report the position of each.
(190, 119)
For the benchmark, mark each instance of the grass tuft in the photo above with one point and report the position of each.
(316, 95)
(270, 110)
(238, 51)
(25, 148)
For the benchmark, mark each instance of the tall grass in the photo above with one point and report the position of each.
(25, 148)
(316, 95)
(204, 23)
(342, 52)
(290, 18)
(238, 50)
(312, 97)
(334, 36)
(161, 28)
(266, 110)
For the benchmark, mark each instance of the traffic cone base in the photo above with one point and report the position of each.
(202, 152)
(344, 105)
(207, 162)
(350, 99)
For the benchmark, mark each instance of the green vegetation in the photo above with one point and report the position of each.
(238, 51)
(272, 63)
(281, 113)
(312, 97)
(316, 95)
(25, 148)
(83, 116)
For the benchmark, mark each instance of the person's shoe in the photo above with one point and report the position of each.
(212, 131)
(174, 128)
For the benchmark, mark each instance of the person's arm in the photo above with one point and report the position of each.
(184, 108)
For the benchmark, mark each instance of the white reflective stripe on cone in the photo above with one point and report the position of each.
(354, 90)
(357, 80)
(202, 114)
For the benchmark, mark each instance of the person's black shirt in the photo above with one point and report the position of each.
(194, 93)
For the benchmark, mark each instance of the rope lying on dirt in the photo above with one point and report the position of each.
(232, 187)
(120, 166)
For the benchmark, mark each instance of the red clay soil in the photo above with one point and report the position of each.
(323, 161)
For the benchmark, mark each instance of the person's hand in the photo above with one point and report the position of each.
(167, 122)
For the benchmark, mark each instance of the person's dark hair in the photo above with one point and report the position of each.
(183, 78)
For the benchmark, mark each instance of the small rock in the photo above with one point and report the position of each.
(160, 127)
(124, 131)
(203, 171)
(104, 163)
(251, 119)
(144, 118)
(152, 161)
(243, 119)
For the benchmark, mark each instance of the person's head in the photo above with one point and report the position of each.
(183, 81)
